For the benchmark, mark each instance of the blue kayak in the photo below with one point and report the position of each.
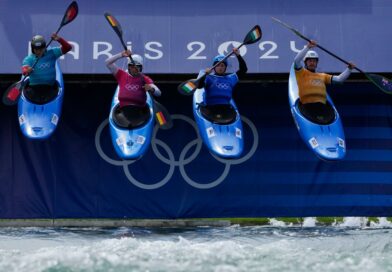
(220, 126)
(39, 116)
(326, 140)
(131, 128)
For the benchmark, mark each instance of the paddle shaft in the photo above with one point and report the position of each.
(62, 23)
(130, 57)
(12, 94)
(125, 47)
(51, 40)
(219, 62)
(299, 34)
(381, 82)
(188, 87)
(157, 106)
(330, 53)
(118, 30)
(247, 40)
(36, 61)
(226, 57)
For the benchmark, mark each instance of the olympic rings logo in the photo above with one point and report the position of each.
(182, 161)
(316, 82)
(223, 85)
(132, 87)
(43, 66)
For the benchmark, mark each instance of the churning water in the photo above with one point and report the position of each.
(348, 246)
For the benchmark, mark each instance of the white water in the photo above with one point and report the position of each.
(343, 247)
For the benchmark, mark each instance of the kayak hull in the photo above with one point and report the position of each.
(326, 141)
(39, 121)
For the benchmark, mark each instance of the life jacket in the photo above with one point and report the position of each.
(219, 89)
(131, 89)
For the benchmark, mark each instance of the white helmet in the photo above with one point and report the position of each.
(311, 55)
(137, 60)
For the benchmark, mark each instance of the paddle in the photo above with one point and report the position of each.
(189, 87)
(12, 94)
(161, 114)
(381, 82)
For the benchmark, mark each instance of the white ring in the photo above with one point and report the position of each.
(182, 161)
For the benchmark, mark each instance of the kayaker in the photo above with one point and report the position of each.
(42, 79)
(219, 86)
(133, 85)
(312, 85)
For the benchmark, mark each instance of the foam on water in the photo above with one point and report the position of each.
(382, 223)
(277, 223)
(197, 249)
(309, 222)
(358, 222)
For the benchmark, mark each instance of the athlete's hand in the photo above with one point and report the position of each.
(351, 65)
(312, 44)
(28, 70)
(126, 53)
(55, 37)
(148, 88)
(236, 51)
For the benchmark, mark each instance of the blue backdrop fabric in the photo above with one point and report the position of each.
(76, 173)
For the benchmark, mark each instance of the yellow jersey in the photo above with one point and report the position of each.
(311, 86)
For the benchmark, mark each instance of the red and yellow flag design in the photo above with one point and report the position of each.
(112, 20)
(161, 118)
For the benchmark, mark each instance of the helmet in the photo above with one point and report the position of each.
(218, 58)
(137, 60)
(38, 42)
(311, 55)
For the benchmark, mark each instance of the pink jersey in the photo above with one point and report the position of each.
(131, 89)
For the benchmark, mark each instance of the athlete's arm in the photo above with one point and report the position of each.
(65, 46)
(299, 57)
(27, 66)
(243, 68)
(342, 77)
(153, 89)
(202, 83)
(110, 63)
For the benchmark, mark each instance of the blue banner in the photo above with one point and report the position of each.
(76, 173)
(183, 36)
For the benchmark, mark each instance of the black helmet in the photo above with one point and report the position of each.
(38, 42)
